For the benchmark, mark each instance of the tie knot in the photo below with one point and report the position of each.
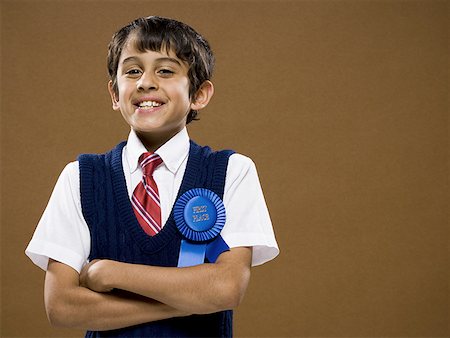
(149, 162)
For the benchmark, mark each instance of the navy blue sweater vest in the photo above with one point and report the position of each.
(117, 235)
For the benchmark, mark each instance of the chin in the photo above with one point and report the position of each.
(149, 127)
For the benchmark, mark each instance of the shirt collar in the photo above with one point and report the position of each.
(173, 152)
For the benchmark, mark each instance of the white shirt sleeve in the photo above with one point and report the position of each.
(62, 233)
(248, 222)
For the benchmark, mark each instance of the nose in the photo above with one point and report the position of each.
(147, 82)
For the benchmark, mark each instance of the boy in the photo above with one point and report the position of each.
(115, 237)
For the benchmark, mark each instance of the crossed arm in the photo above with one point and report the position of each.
(109, 295)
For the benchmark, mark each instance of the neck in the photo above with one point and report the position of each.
(152, 141)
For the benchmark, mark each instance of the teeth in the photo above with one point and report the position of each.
(149, 104)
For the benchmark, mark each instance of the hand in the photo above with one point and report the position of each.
(94, 276)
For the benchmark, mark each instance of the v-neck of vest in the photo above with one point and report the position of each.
(127, 217)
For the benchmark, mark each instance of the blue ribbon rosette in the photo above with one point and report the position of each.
(200, 216)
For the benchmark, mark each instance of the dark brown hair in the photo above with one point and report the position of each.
(156, 33)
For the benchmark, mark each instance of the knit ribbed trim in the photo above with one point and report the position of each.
(220, 171)
(86, 187)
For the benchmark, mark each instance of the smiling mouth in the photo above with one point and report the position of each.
(149, 104)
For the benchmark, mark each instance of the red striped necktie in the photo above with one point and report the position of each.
(145, 199)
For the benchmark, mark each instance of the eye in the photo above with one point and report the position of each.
(133, 72)
(165, 72)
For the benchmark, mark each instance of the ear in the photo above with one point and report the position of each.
(114, 98)
(203, 95)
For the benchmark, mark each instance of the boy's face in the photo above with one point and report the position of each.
(153, 92)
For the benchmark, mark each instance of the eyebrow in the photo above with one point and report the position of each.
(161, 59)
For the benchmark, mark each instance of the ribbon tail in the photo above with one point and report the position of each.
(191, 254)
(215, 248)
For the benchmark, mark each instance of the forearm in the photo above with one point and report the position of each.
(204, 288)
(196, 289)
(85, 309)
(70, 305)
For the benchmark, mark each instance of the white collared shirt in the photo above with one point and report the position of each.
(62, 233)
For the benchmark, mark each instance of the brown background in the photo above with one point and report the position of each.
(342, 105)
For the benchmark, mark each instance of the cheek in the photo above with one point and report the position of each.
(182, 92)
(122, 91)
(124, 88)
